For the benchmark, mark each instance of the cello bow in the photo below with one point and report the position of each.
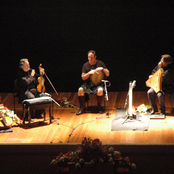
(50, 83)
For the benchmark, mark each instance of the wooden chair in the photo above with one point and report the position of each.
(172, 104)
(15, 93)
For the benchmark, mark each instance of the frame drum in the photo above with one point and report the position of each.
(97, 77)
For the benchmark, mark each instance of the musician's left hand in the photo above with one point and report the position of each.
(160, 64)
(42, 71)
(150, 76)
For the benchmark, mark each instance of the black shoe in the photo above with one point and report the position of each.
(163, 110)
(100, 110)
(152, 113)
(81, 111)
(26, 119)
(163, 113)
(38, 116)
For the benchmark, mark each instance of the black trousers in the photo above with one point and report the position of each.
(152, 99)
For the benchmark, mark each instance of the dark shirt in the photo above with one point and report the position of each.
(26, 82)
(87, 67)
(88, 85)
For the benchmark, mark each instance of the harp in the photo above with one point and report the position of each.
(155, 82)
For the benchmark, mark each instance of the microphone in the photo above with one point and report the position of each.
(134, 83)
(104, 80)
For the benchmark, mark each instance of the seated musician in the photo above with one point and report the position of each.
(93, 72)
(166, 63)
(27, 81)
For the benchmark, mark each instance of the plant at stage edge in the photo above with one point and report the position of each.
(89, 153)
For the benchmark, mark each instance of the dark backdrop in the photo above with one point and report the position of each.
(128, 36)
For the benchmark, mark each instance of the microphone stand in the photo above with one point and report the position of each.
(106, 97)
(44, 94)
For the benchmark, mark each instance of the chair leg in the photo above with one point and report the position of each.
(23, 114)
(172, 104)
(44, 115)
(29, 115)
(50, 115)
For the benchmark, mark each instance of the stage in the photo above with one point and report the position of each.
(67, 127)
(34, 146)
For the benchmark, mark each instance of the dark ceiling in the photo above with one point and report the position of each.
(128, 37)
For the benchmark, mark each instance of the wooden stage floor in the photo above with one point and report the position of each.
(67, 127)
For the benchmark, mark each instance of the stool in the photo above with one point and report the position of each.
(36, 104)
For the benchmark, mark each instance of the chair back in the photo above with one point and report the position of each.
(15, 92)
(16, 86)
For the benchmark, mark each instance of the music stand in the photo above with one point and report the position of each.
(106, 84)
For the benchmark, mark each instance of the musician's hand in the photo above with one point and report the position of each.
(160, 64)
(92, 72)
(33, 72)
(99, 69)
(42, 71)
